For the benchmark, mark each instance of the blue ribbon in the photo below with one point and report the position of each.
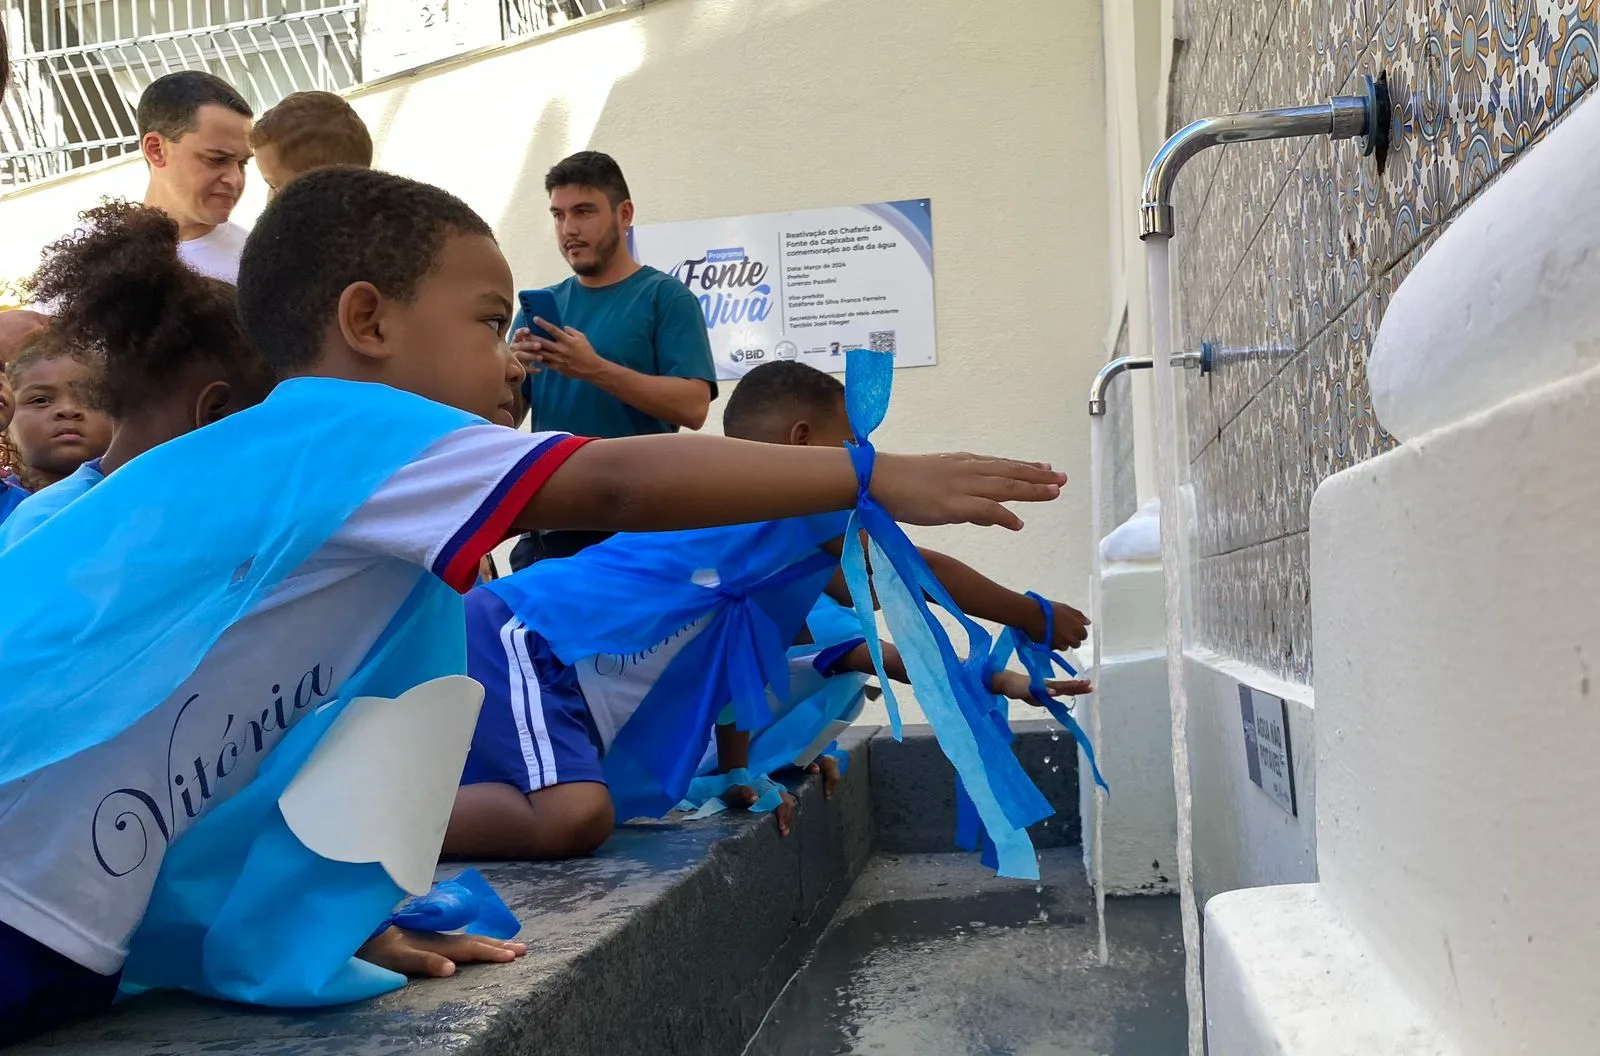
(705, 793)
(742, 650)
(1038, 659)
(465, 902)
(952, 691)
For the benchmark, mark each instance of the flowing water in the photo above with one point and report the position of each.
(1096, 600)
(1171, 524)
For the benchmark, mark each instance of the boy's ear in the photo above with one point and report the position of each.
(213, 403)
(361, 320)
(800, 434)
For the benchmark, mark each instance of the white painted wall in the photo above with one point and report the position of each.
(1286, 975)
(1138, 45)
(720, 107)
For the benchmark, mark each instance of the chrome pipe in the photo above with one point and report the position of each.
(1344, 117)
(1097, 389)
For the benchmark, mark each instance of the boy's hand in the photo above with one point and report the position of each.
(1014, 684)
(828, 767)
(1071, 626)
(566, 351)
(420, 954)
(524, 347)
(960, 489)
(743, 797)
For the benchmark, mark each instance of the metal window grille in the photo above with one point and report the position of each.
(521, 18)
(78, 66)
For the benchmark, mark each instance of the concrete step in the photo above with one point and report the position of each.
(914, 787)
(675, 939)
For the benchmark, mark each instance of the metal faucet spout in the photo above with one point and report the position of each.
(1345, 117)
(1097, 388)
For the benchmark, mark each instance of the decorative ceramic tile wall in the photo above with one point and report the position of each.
(1288, 253)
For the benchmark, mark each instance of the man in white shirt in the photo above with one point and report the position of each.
(194, 133)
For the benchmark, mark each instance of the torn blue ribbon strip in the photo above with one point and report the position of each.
(705, 793)
(1037, 659)
(463, 903)
(952, 691)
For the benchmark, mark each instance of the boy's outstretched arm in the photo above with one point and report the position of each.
(1011, 684)
(658, 483)
(980, 596)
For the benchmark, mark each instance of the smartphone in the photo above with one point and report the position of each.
(540, 303)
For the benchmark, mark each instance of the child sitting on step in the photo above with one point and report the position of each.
(292, 556)
(537, 781)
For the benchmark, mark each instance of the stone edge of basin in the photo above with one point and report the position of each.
(693, 971)
(914, 798)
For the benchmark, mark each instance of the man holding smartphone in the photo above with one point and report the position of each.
(630, 355)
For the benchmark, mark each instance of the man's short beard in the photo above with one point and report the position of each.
(604, 253)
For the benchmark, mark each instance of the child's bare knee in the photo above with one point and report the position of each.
(579, 815)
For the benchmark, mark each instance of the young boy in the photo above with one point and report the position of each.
(279, 548)
(308, 130)
(535, 785)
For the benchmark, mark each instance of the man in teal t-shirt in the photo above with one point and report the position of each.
(633, 357)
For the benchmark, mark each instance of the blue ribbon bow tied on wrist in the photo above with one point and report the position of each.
(953, 691)
(1038, 659)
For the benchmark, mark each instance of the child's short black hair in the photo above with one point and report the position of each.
(327, 230)
(589, 168)
(778, 394)
(120, 292)
(171, 104)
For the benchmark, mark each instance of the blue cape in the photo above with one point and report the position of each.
(43, 504)
(755, 582)
(114, 602)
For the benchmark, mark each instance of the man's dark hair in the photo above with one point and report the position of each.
(775, 395)
(327, 230)
(171, 104)
(589, 168)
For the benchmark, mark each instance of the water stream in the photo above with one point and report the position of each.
(1096, 603)
(1171, 524)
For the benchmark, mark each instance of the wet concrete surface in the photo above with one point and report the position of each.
(933, 956)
